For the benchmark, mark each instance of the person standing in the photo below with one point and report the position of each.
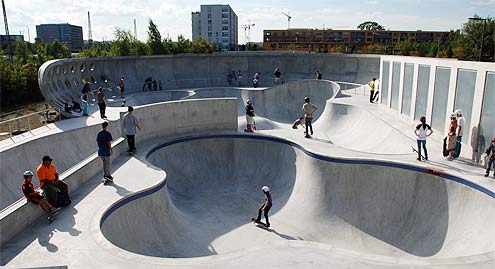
(422, 131)
(278, 75)
(130, 124)
(122, 86)
(104, 142)
(102, 102)
(491, 158)
(57, 192)
(265, 208)
(318, 75)
(372, 89)
(256, 79)
(451, 138)
(239, 78)
(461, 121)
(250, 117)
(308, 109)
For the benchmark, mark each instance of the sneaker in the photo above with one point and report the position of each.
(51, 218)
(267, 225)
(307, 136)
(487, 174)
(55, 209)
(418, 159)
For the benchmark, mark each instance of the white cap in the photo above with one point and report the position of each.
(249, 101)
(28, 173)
(265, 189)
(458, 111)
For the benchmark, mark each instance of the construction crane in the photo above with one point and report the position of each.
(247, 27)
(288, 18)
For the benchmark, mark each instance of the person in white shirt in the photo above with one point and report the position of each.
(461, 121)
(422, 131)
(308, 109)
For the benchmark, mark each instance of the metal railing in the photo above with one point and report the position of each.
(354, 88)
(23, 124)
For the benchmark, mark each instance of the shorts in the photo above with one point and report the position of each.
(36, 199)
(249, 120)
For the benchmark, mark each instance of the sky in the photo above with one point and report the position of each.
(174, 17)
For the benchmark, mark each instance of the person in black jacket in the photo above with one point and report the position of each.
(491, 158)
(251, 126)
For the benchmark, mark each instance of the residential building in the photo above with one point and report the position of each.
(71, 35)
(13, 40)
(315, 39)
(216, 24)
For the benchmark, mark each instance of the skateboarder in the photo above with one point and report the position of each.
(122, 86)
(102, 102)
(491, 158)
(265, 208)
(250, 117)
(422, 131)
(461, 121)
(104, 141)
(130, 123)
(308, 109)
(36, 197)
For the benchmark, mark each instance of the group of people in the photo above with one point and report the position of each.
(231, 77)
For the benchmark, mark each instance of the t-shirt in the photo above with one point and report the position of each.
(423, 128)
(268, 199)
(372, 85)
(102, 140)
(461, 122)
(318, 75)
(101, 97)
(308, 110)
(46, 173)
(129, 122)
(250, 110)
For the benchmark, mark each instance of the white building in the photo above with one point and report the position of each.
(216, 24)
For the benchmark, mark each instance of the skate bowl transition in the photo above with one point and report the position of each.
(377, 209)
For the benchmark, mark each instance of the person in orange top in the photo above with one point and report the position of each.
(35, 197)
(49, 182)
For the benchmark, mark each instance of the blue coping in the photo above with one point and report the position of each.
(156, 188)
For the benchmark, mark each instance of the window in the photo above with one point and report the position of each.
(225, 28)
(209, 22)
(225, 41)
(267, 33)
(209, 28)
(225, 15)
(225, 34)
(209, 34)
(217, 34)
(224, 9)
(209, 15)
(225, 21)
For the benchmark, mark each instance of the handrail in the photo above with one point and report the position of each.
(44, 113)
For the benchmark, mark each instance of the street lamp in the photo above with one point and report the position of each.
(482, 34)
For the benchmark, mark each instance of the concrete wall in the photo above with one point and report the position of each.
(62, 80)
(435, 88)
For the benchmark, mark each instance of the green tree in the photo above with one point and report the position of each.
(57, 50)
(200, 45)
(370, 26)
(472, 32)
(183, 45)
(154, 39)
(122, 44)
(139, 48)
(22, 52)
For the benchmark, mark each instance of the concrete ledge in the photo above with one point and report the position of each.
(19, 215)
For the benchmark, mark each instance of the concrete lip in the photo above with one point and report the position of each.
(415, 222)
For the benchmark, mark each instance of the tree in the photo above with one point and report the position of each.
(472, 32)
(121, 46)
(22, 53)
(199, 45)
(154, 39)
(370, 26)
(183, 45)
(57, 50)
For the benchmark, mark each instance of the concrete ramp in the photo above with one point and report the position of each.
(213, 186)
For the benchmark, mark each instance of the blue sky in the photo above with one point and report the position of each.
(174, 17)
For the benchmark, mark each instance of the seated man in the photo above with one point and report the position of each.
(36, 197)
(76, 107)
(56, 190)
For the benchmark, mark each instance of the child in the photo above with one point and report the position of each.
(422, 131)
(265, 207)
(35, 197)
(491, 158)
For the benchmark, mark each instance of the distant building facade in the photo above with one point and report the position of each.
(216, 24)
(13, 40)
(314, 39)
(71, 35)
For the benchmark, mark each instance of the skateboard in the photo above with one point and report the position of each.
(416, 151)
(260, 224)
(51, 217)
(106, 181)
(376, 97)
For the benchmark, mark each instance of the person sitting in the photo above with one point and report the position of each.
(35, 197)
(56, 190)
(76, 107)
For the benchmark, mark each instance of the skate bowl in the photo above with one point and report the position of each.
(146, 98)
(204, 206)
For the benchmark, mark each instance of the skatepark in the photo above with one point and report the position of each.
(353, 196)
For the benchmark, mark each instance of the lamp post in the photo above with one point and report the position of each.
(482, 34)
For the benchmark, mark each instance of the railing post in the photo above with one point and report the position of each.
(29, 124)
(18, 124)
(10, 131)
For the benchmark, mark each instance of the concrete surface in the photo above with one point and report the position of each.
(62, 80)
(338, 203)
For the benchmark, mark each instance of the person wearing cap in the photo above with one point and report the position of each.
(122, 86)
(491, 158)
(308, 109)
(35, 197)
(451, 137)
(104, 141)
(250, 126)
(48, 180)
(265, 208)
(130, 123)
(461, 121)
